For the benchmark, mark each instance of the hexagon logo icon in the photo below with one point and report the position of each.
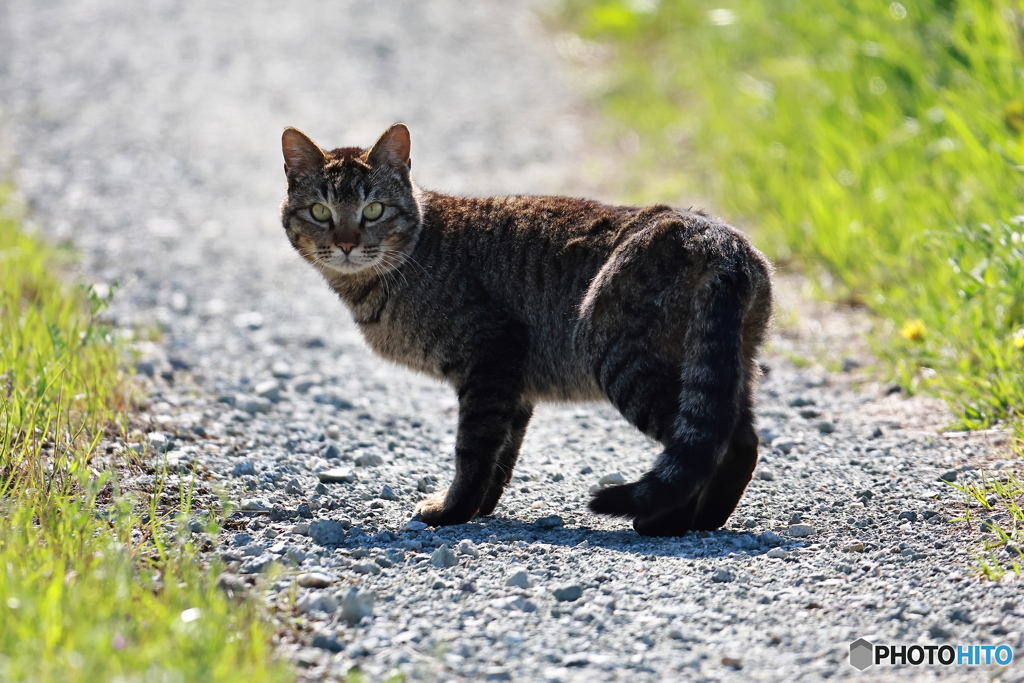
(861, 654)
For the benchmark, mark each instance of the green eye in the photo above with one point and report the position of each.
(372, 211)
(320, 212)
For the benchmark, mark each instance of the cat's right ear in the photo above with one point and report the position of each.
(301, 155)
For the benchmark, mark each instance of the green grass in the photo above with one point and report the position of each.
(876, 145)
(88, 590)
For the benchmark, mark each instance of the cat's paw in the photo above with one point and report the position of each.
(434, 512)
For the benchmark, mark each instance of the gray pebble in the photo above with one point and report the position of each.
(257, 565)
(612, 479)
(443, 557)
(948, 475)
(327, 531)
(908, 515)
(369, 460)
(722, 575)
(518, 577)
(317, 601)
(314, 580)
(243, 468)
(826, 427)
(366, 568)
(778, 553)
(801, 530)
(568, 592)
(341, 475)
(415, 525)
(467, 547)
(387, 493)
(549, 522)
(326, 641)
(331, 452)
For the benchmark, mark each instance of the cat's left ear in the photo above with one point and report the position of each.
(392, 147)
(301, 155)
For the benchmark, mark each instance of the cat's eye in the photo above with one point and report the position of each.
(372, 211)
(320, 212)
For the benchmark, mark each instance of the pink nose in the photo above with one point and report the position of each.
(346, 246)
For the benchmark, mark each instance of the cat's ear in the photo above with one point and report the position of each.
(301, 155)
(392, 147)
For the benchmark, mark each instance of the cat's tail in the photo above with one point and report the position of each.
(711, 387)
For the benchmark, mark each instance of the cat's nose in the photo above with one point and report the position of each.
(347, 246)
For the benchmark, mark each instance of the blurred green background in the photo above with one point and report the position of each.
(877, 146)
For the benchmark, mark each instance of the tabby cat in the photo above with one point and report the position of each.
(515, 300)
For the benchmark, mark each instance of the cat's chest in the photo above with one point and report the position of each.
(396, 344)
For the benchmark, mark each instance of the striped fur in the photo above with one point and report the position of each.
(516, 300)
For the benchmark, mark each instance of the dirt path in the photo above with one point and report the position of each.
(149, 139)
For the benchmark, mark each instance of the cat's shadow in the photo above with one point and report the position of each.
(499, 531)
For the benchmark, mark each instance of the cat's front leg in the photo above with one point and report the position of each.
(490, 408)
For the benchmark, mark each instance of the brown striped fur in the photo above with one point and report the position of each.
(515, 300)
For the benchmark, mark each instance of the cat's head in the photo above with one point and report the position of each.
(350, 210)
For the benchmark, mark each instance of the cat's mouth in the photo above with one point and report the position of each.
(357, 260)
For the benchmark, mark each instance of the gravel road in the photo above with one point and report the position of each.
(149, 138)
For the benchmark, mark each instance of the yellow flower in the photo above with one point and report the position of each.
(1019, 342)
(913, 330)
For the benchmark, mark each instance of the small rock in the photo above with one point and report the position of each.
(778, 553)
(341, 475)
(497, 673)
(369, 460)
(435, 582)
(269, 390)
(255, 505)
(333, 432)
(515, 602)
(466, 547)
(770, 538)
(257, 565)
(366, 568)
(876, 432)
(549, 522)
(317, 601)
(732, 662)
(850, 364)
(765, 474)
(241, 540)
(231, 583)
(387, 493)
(425, 484)
(281, 370)
(810, 413)
(327, 531)
(908, 515)
(253, 405)
(415, 525)
(160, 442)
(801, 530)
(854, 547)
(243, 468)
(519, 578)
(785, 444)
(443, 557)
(796, 518)
(315, 580)
(612, 479)
(356, 605)
(919, 607)
(326, 641)
(293, 487)
(145, 367)
(722, 575)
(800, 402)
(302, 529)
(568, 592)
(949, 475)
(332, 452)
(826, 427)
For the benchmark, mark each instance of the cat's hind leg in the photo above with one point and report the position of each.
(507, 458)
(704, 414)
(719, 498)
